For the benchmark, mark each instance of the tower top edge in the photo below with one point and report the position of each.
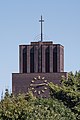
(40, 42)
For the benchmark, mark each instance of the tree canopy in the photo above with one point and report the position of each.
(68, 93)
(64, 103)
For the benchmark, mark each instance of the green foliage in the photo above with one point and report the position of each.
(68, 92)
(64, 103)
(27, 107)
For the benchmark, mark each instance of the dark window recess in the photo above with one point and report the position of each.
(55, 59)
(39, 59)
(31, 60)
(25, 60)
(47, 59)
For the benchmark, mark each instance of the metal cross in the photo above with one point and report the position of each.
(41, 28)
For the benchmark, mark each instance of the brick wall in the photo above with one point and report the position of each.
(21, 81)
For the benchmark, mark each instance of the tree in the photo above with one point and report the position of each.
(27, 107)
(68, 92)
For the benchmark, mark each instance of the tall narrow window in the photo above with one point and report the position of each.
(32, 60)
(39, 59)
(55, 59)
(47, 59)
(25, 60)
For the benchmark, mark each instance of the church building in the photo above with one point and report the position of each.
(39, 63)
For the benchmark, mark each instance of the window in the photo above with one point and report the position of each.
(32, 60)
(47, 60)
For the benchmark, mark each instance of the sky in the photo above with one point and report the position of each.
(19, 24)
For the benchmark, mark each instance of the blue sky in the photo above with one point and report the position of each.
(19, 24)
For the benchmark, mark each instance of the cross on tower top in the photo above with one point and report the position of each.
(41, 28)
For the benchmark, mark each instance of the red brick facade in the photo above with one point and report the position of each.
(39, 60)
(21, 81)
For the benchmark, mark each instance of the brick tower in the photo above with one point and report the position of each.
(39, 63)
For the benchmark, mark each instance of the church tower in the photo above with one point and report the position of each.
(39, 63)
(41, 57)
